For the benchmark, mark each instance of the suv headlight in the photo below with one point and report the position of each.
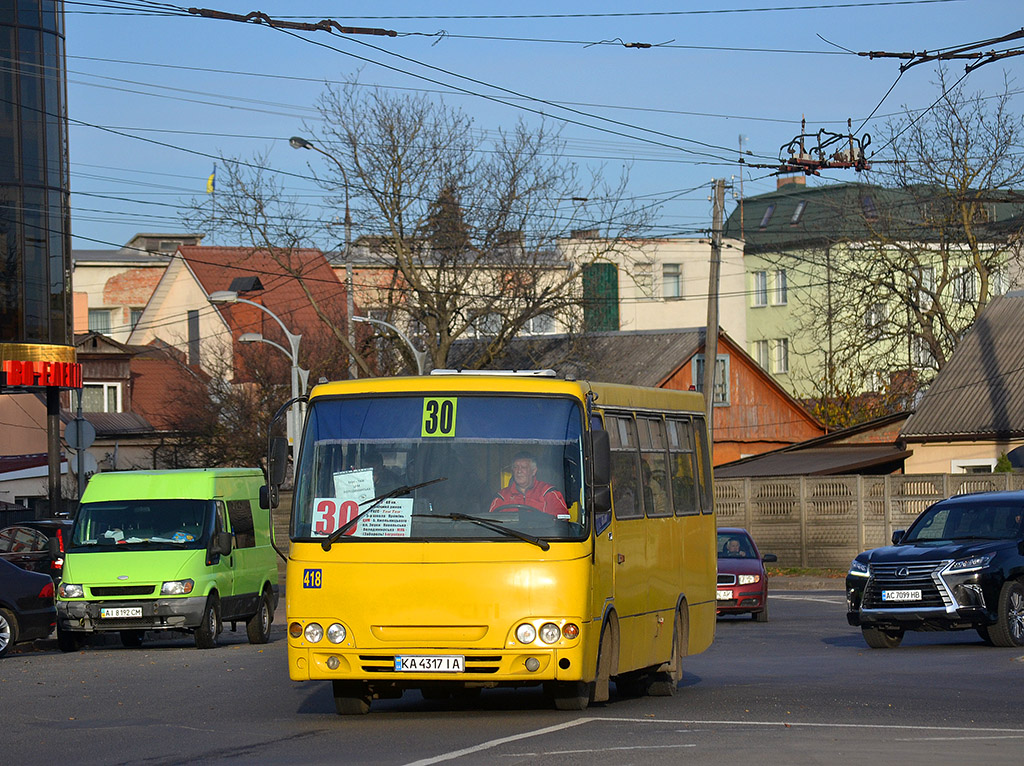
(971, 564)
(859, 568)
(177, 587)
(67, 590)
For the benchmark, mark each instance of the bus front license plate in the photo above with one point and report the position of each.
(901, 595)
(432, 664)
(120, 612)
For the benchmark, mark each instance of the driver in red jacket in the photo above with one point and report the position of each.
(524, 489)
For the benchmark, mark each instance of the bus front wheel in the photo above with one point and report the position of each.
(570, 695)
(351, 698)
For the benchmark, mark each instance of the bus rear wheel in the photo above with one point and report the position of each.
(351, 698)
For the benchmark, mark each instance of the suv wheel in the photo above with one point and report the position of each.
(877, 638)
(1009, 627)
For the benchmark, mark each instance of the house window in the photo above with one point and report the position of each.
(769, 211)
(924, 284)
(136, 315)
(539, 325)
(643, 275)
(760, 297)
(964, 288)
(874, 319)
(99, 321)
(672, 280)
(998, 282)
(488, 325)
(920, 353)
(798, 213)
(721, 377)
(101, 397)
(781, 294)
(868, 204)
(982, 465)
(760, 353)
(780, 356)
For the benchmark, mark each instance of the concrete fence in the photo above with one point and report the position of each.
(824, 521)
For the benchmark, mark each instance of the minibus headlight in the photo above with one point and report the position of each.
(314, 632)
(177, 587)
(67, 590)
(526, 633)
(336, 633)
(550, 633)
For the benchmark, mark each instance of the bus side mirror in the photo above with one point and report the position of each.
(601, 499)
(600, 457)
(277, 460)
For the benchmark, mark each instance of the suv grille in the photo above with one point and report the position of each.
(919, 576)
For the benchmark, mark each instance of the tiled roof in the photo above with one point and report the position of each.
(217, 267)
(155, 379)
(642, 358)
(109, 424)
(980, 391)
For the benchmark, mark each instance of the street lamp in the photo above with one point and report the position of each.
(298, 142)
(419, 356)
(299, 376)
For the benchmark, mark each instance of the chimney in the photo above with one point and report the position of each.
(799, 179)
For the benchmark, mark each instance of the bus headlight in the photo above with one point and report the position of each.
(550, 633)
(571, 630)
(336, 633)
(526, 633)
(314, 632)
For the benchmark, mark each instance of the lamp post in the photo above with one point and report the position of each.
(298, 142)
(419, 356)
(299, 376)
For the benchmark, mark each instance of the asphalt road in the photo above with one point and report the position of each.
(800, 689)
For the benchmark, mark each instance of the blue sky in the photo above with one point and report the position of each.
(152, 97)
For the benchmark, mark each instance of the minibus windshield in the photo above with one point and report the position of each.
(129, 524)
(513, 461)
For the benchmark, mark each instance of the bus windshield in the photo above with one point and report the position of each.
(491, 466)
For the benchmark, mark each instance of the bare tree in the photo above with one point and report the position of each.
(457, 230)
(910, 259)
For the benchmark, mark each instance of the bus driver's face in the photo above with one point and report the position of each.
(523, 473)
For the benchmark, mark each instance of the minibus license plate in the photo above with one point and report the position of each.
(901, 595)
(723, 595)
(452, 663)
(120, 612)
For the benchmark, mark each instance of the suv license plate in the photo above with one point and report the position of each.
(120, 612)
(901, 595)
(430, 664)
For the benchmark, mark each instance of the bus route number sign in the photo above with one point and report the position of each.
(312, 578)
(439, 416)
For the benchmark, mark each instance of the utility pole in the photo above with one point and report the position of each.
(711, 333)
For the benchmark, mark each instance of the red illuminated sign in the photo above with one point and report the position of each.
(63, 374)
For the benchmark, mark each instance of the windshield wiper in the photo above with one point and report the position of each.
(374, 502)
(492, 525)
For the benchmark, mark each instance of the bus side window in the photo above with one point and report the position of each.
(683, 466)
(703, 465)
(627, 498)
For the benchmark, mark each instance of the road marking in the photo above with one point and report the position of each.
(820, 599)
(593, 750)
(451, 756)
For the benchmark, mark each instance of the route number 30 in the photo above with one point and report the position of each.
(439, 416)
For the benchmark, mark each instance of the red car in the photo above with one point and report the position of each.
(742, 581)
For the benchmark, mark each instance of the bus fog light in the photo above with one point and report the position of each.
(336, 633)
(314, 632)
(550, 633)
(532, 664)
(333, 662)
(526, 633)
(571, 630)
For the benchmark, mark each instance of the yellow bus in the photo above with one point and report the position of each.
(461, 531)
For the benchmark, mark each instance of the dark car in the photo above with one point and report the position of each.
(27, 544)
(742, 581)
(27, 611)
(959, 566)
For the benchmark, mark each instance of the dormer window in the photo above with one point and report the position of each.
(767, 216)
(798, 213)
(870, 211)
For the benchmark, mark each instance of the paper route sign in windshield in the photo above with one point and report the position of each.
(389, 518)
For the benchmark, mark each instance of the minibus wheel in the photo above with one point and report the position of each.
(257, 627)
(351, 698)
(209, 627)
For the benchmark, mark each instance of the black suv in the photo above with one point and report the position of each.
(959, 566)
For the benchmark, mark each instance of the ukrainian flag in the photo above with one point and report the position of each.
(211, 182)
